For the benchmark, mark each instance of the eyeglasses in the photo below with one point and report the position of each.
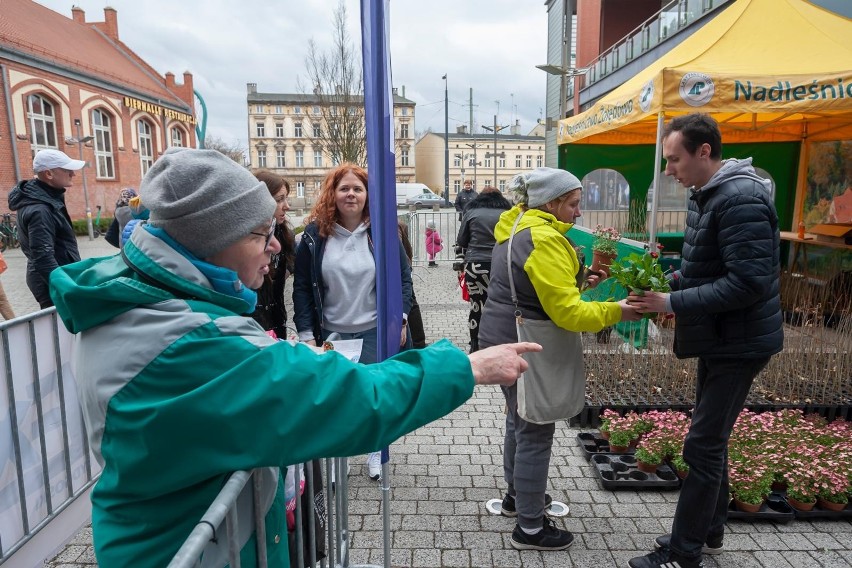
(268, 235)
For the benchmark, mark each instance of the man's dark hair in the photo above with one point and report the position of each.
(697, 129)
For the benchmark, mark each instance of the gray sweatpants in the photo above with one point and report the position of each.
(526, 460)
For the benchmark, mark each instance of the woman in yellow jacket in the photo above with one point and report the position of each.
(547, 274)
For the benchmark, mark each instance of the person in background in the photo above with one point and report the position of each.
(434, 244)
(169, 372)
(270, 312)
(547, 276)
(334, 283)
(44, 226)
(121, 216)
(726, 299)
(476, 237)
(465, 196)
(415, 319)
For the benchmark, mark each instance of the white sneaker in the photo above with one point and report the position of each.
(374, 465)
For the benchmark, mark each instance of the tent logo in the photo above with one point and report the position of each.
(646, 96)
(696, 89)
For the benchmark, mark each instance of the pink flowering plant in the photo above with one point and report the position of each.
(605, 240)
(750, 481)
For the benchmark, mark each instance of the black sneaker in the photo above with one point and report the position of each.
(548, 538)
(712, 546)
(507, 508)
(665, 558)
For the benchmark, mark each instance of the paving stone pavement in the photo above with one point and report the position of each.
(443, 473)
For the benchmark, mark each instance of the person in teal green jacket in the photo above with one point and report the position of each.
(178, 389)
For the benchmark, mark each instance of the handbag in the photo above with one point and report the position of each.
(554, 385)
(463, 285)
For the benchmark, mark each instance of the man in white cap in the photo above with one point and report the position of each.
(44, 226)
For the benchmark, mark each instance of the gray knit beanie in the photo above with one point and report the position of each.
(204, 200)
(542, 185)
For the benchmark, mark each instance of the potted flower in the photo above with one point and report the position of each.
(604, 248)
(750, 484)
(606, 419)
(619, 440)
(680, 466)
(803, 487)
(640, 273)
(648, 455)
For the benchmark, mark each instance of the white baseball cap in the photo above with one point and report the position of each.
(50, 159)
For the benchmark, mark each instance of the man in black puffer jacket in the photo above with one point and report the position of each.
(728, 309)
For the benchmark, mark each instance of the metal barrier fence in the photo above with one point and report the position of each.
(447, 223)
(45, 462)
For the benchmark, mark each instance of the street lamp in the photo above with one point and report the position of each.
(475, 161)
(495, 129)
(79, 141)
(563, 73)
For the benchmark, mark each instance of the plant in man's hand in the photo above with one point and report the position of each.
(605, 240)
(640, 273)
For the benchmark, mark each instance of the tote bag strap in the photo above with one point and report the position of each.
(509, 266)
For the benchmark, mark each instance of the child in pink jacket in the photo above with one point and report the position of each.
(433, 242)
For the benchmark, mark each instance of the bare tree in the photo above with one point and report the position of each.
(234, 151)
(336, 79)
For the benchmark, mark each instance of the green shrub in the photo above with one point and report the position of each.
(81, 227)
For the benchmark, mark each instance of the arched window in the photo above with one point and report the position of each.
(146, 145)
(102, 130)
(177, 137)
(605, 190)
(42, 123)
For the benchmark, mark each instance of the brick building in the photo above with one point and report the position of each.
(65, 79)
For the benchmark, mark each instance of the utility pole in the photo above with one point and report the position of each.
(495, 129)
(80, 140)
(446, 140)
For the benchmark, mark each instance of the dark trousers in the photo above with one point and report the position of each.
(476, 278)
(415, 325)
(720, 393)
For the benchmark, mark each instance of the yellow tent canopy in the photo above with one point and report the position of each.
(766, 70)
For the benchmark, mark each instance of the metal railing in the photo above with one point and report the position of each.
(447, 223)
(672, 18)
(45, 462)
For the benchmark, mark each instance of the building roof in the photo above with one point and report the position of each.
(40, 37)
(306, 99)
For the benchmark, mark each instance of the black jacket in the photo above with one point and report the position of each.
(462, 199)
(45, 231)
(726, 294)
(476, 233)
(309, 288)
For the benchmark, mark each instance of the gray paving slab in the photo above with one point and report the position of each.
(439, 518)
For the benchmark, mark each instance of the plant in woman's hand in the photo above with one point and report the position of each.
(605, 240)
(640, 272)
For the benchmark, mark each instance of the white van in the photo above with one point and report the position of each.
(407, 190)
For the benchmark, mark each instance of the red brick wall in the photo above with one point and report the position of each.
(620, 17)
(126, 161)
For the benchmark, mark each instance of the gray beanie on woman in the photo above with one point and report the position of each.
(204, 200)
(542, 185)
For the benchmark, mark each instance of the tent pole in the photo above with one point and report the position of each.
(658, 152)
(802, 179)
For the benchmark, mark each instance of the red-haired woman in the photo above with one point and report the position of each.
(334, 284)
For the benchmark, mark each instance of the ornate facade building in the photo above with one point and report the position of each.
(74, 86)
(289, 134)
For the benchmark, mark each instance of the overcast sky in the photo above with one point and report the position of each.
(489, 45)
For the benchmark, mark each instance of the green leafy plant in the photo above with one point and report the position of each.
(750, 482)
(605, 240)
(648, 456)
(640, 272)
(620, 438)
(679, 463)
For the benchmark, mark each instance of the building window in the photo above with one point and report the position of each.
(315, 110)
(298, 130)
(317, 131)
(177, 137)
(457, 161)
(258, 109)
(488, 182)
(404, 111)
(300, 158)
(403, 131)
(300, 189)
(317, 158)
(261, 158)
(529, 161)
(279, 159)
(261, 130)
(146, 146)
(42, 123)
(403, 158)
(278, 109)
(538, 161)
(487, 163)
(501, 163)
(279, 130)
(456, 185)
(102, 129)
(297, 110)
(518, 161)
(502, 185)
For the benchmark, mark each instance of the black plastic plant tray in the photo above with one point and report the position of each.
(819, 513)
(774, 509)
(593, 443)
(619, 471)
